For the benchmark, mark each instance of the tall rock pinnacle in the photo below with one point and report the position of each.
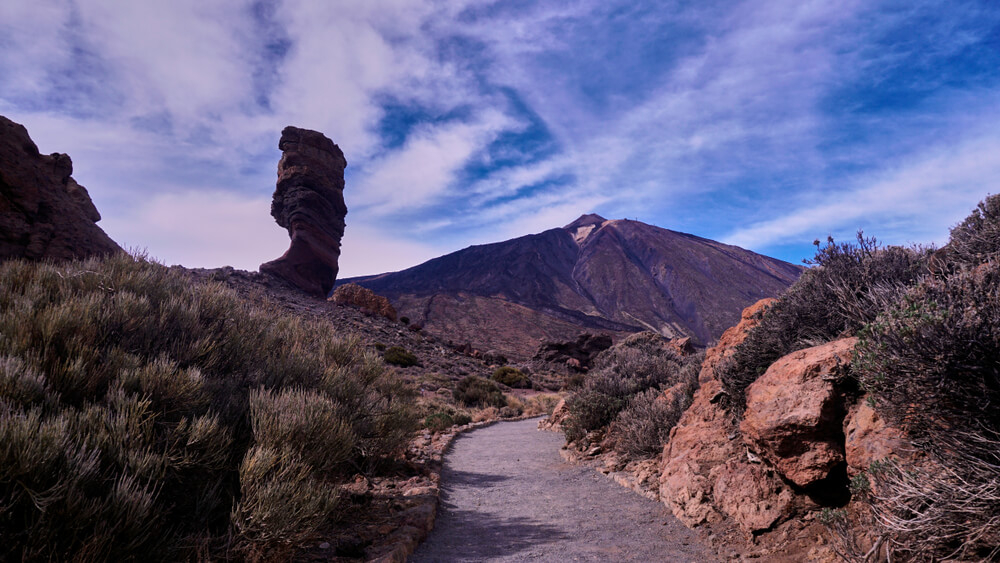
(309, 202)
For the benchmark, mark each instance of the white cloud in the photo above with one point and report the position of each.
(366, 250)
(916, 202)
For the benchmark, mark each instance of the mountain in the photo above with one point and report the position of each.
(594, 275)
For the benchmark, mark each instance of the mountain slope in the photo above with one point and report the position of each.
(593, 274)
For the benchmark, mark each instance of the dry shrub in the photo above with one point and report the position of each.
(638, 363)
(283, 505)
(542, 403)
(642, 429)
(511, 377)
(848, 286)
(125, 412)
(976, 239)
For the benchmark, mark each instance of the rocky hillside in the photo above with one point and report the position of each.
(615, 276)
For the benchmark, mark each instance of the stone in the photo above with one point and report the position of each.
(44, 212)
(308, 201)
(555, 420)
(703, 438)
(794, 412)
(868, 438)
(578, 355)
(751, 494)
(365, 299)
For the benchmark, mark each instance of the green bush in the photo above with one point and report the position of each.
(511, 377)
(475, 391)
(138, 408)
(847, 287)
(399, 357)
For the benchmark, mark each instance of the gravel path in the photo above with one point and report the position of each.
(507, 495)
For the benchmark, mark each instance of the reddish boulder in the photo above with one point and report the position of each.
(868, 438)
(365, 299)
(703, 438)
(44, 213)
(794, 413)
(751, 494)
(309, 202)
(555, 420)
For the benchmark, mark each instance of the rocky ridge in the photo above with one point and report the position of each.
(44, 212)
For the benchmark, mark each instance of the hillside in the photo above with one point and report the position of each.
(617, 276)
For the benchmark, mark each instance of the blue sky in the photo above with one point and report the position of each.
(764, 123)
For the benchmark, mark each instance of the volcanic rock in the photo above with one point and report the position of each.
(751, 494)
(365, 299)
(703, 438)
(868, 438)
(794, 413)
(309, 202)
(579, 353)
(44, 213)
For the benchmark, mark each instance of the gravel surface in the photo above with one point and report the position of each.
(507, 495)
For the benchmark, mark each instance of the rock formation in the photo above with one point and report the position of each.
(44, 213)
(365, 299)
(794, 415)
(577, 354)
(309, 202)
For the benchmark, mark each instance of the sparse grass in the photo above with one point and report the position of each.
(143, 416)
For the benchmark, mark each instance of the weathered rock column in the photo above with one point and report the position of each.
(309, 202)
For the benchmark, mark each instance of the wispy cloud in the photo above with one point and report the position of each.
(757, 122)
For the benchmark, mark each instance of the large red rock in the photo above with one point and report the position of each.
(364, 298)
(309, 202)
(868, 438)
(794, 413)
(44, 213)
(703, 439)
(751, 494)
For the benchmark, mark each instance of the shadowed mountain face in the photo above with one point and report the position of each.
(591, 275)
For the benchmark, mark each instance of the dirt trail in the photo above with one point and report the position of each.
(507, 495)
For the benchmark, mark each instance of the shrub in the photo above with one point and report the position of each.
(399, 357)
(475, 391)
(511, 377)
(977, 239)
(847, 287)
(638, 363)
(643, 427)
(933, 361)
(439, 421)
(282, 506)
(138, 407)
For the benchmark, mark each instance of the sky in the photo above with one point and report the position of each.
(765, 123)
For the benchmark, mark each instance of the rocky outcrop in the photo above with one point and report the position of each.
(704, 439)
(364, 299)
(555, 420)
(578, 354)
(795, 413)
(44, 213)
(309, 202)
(751, 494)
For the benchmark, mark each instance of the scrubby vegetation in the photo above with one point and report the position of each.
(143, 416)
(928, 361)
(847, 287)
(623, 389)
(511, 377)
(475, 391)
(399, 356)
